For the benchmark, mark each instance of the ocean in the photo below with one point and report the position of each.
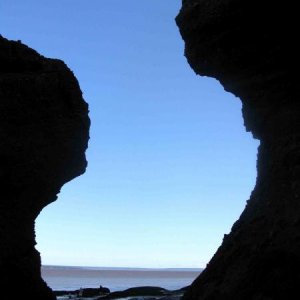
(72, 278)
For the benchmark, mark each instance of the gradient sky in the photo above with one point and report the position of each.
(170, 164)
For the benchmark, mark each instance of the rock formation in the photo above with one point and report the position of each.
(249, 46)
(44, 128)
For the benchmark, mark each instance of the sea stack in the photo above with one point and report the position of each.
(250, 47)
(44, 131)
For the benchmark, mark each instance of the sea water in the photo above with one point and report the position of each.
(72, 278)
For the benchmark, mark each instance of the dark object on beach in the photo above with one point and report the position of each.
(85, 292)
(139, 291)
(89, 292)
(44, 129)
(93, 292)
(249, 46)
(104, 290)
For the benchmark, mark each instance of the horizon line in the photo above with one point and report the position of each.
(120, 268)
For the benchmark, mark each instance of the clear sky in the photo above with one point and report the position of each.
(170, 164)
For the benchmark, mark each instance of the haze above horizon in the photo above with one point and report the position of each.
(123, 268)
(170, 163)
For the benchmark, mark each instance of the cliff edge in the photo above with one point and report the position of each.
(249, 46)
(44, 129)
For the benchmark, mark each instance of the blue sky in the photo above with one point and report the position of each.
(170, 164)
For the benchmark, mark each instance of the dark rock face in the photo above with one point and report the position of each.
(249, 47)
(44, 128)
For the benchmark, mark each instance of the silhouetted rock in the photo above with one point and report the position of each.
(85, 292)
(139, 291)
(135, 293)
(104, 290)
(89, 292)
(249, 46)
(44, 128)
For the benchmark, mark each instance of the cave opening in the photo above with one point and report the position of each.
(166, 197)
(170, 164)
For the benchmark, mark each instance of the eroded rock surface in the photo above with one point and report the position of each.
(249, 46)
(44, 128)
